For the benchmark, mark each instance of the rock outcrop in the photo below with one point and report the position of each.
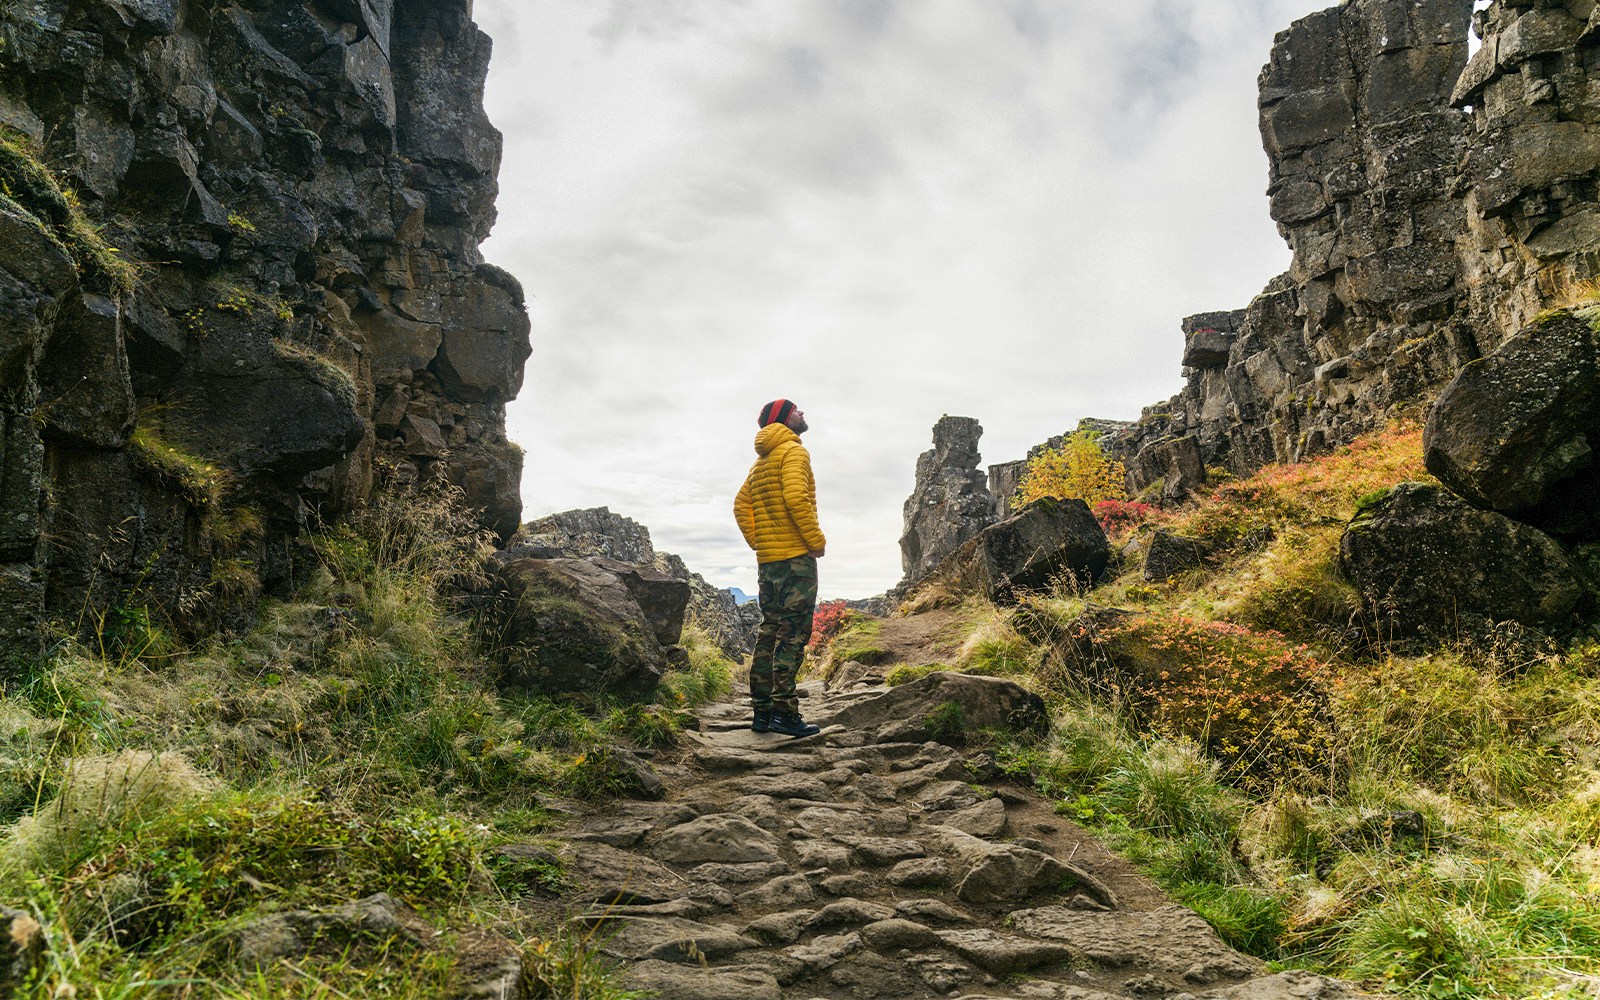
(597, 531)
(1434, 208)
(1364, 148)
(301, 190)
(592, 532)
(950, 502)
(1430, 565)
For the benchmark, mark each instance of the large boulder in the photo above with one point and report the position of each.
(585, 625)
(1426, 562)
(596, 531)
(1030, 550)
(1516, 431)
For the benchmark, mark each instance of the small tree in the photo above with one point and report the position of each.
(1080, 468)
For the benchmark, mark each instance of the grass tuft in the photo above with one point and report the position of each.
(1432, 823)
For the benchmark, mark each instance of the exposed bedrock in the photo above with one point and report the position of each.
(302, 188)
(1434, 207)
(1516, 431)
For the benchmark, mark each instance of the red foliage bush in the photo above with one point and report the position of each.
(826, 622)
(1119, 516)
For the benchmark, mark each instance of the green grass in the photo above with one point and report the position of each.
(200, 481)
(1447, 845)
(352, 742)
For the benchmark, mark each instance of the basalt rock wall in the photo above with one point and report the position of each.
(1433, 206)
(301, 189)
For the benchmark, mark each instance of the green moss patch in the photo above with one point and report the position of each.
(29, 186)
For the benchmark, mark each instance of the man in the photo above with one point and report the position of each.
(777, 514)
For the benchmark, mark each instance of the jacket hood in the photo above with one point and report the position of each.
(771, 436)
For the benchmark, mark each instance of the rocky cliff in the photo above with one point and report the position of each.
(1433, 207)
(287, 303)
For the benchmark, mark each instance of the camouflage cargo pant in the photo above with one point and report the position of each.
(788, 601)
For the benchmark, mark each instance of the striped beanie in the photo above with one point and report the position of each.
(775, 412)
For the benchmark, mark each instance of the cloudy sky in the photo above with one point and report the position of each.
(886, 210)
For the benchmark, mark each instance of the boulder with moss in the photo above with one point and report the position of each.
(1426, 562)
(1516, 431)
(584, 625)
(1048, 541)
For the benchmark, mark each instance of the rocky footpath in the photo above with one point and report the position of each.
(873, 860)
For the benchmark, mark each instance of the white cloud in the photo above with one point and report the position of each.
(887, 211)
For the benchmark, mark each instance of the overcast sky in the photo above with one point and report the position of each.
(885, 210)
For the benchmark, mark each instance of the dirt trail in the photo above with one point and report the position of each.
(859, 864)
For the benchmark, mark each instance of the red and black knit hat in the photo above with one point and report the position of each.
(775, 412)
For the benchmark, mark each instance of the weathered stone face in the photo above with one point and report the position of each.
(1516, 431)
(1427, 563)
(1434, 207)
(950, 502)
(306, 187)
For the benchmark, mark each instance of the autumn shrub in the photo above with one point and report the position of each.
(1079, 469)
(826, 621)
(1251, 699)
(1294, 586)
(1322, 491)
(1119, 517)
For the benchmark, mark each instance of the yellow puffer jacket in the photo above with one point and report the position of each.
(777, 505)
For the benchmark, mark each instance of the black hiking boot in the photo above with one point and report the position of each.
(790, 724)
(762, 721)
